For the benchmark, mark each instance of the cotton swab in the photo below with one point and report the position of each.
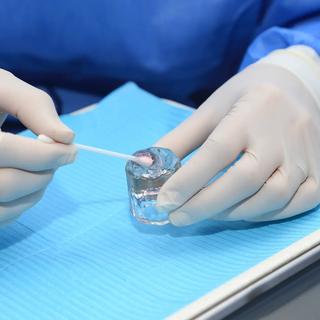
(145, 161)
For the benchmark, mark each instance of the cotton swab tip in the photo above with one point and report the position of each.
(144, 160)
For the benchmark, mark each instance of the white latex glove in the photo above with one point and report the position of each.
(270, 114)
(27, 165)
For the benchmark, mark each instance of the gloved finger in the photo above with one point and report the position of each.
(33, 107)
(3, 116)
(191, 133)
(13, 209)
(241, 180)
(33, 155)
(274, 195)
(220, 149)
(18, 183)
(306, 198)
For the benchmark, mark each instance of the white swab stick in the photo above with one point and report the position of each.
(107, 152)
(141, 160)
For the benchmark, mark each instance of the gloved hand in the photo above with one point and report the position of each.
(28, 165)
(269, 115)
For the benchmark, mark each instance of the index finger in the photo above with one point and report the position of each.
(192, 132)
(33, 155)
(221, 148)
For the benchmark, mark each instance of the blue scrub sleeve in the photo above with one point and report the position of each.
(303, 33)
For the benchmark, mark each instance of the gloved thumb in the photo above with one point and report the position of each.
(33, 107)
(46, 121)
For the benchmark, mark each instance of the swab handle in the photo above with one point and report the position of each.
(144, 162)
(107, 152)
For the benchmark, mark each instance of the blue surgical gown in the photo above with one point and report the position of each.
(181, 50)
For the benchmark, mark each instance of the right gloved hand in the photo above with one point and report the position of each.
(27, 165)
(264, 125)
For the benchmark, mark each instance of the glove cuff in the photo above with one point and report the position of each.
(303, 62)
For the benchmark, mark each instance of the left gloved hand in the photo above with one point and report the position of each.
(269, 114)
(26, 165)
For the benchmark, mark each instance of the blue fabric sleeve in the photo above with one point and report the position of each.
(303, 33)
